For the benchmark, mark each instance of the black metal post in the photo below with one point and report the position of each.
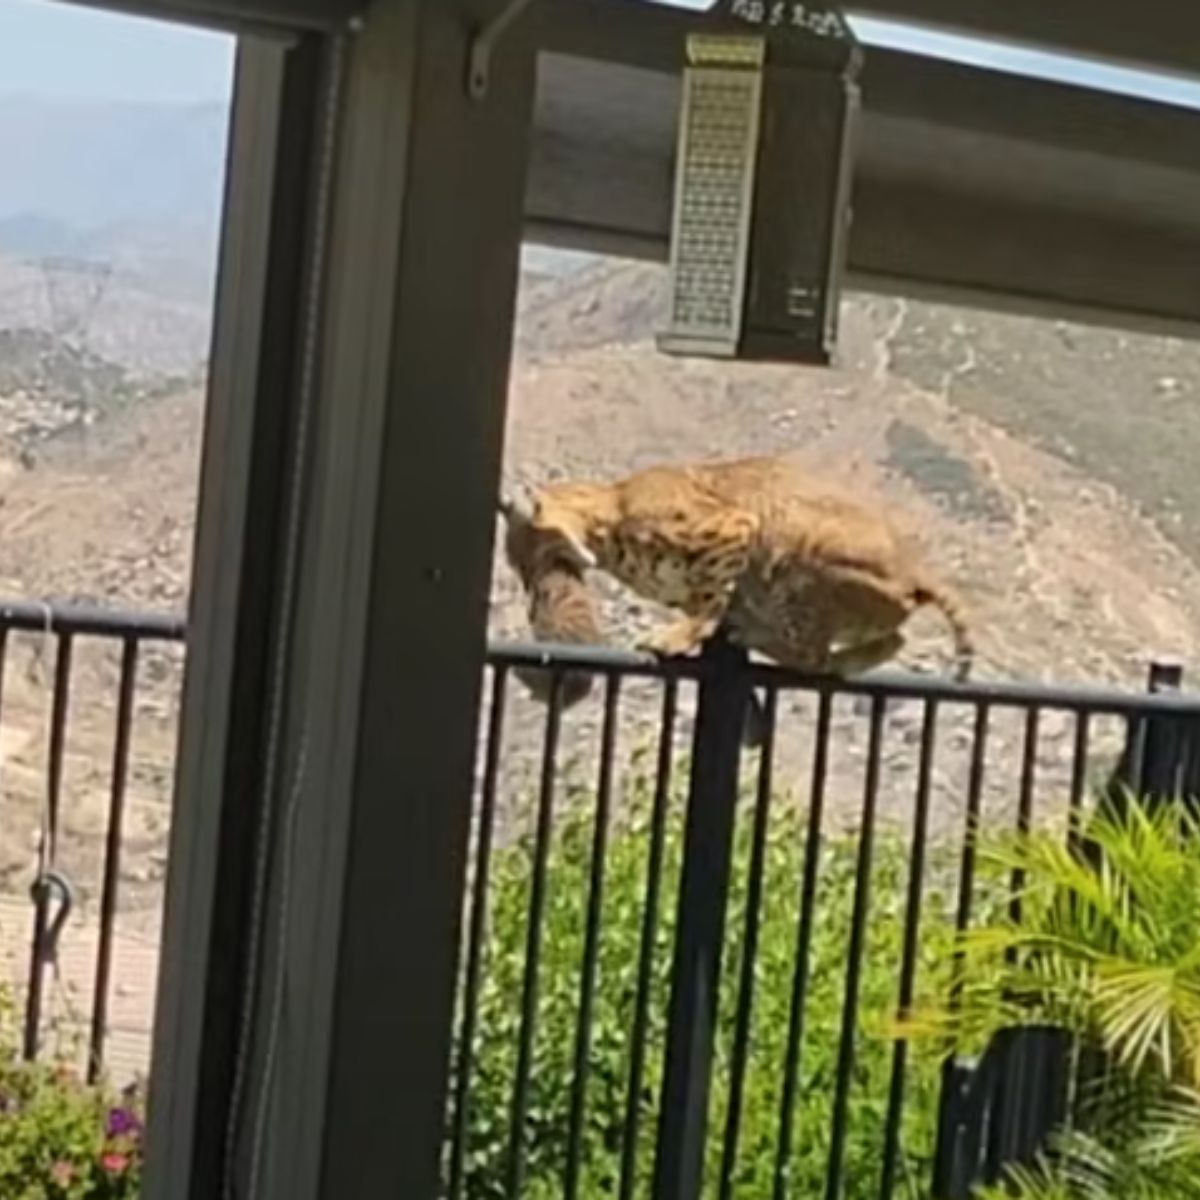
(1001, 1111)
(700, 930)
(1158, 755)
(1164, 745)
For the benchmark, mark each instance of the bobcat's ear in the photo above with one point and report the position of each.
(517, 506)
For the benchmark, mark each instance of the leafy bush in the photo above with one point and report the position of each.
(1112, 955)
(545, 1131)
(61, 1139)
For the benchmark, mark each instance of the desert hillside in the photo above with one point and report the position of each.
(1005, 444)
(1042, 465)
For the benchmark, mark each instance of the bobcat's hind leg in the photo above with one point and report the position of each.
(866, 656)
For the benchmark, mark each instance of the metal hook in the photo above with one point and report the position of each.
(39, 891)
(479, 61)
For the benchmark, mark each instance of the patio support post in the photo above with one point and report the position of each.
(336, 1086)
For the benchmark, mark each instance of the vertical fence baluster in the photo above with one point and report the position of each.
(948, 1150)
(649, 930)
(908, 964)
(966, 875)
(1079, 769)
(4, 632)
(533, 943)
(475, 932)
(591, 944)
(1079, 761)
(112, 856)
(1163, 739)
(858, 928)
(1025, 800)
(754, 890)
(804, 929)
(41, 950)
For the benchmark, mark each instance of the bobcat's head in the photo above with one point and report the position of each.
(561, 523)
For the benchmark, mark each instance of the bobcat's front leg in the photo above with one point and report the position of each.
(711, 558)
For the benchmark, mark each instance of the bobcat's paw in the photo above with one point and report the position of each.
(672, 641)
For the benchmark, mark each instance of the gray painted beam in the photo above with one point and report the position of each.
(995, 253)
(942, 245)
(897, 84)
(633, 33)
(382, 702)
(326, 770)
(612, 127)
(428, 287)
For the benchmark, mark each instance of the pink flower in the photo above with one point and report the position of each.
(62, 1173)
(114, 1163)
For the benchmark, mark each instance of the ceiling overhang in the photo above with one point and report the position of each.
(970, 184)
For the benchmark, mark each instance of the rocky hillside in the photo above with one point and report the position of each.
(1010, 447)
(1044, 466)
(127, 301)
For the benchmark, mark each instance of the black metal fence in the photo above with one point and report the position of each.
(675, 948)
(688, 1092)
(78, 661)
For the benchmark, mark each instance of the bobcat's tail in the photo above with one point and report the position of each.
(948, 604)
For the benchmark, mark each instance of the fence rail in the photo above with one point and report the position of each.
(562, 659)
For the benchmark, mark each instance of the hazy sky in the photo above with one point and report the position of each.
(65, 51)
(53, 49)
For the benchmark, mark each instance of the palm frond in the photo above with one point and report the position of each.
(1106, 945)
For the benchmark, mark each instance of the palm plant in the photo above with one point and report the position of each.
(1104, 943)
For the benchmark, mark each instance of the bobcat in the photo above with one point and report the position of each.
(808, 577)
(561, 609)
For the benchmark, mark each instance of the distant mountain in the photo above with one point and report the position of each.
(137, 187)
(1034, 459)
(31, 234)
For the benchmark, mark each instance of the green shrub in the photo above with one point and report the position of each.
(61, 1139)
(546, 1127)
(1111, 955)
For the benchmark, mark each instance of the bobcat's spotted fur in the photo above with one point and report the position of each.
(809, 577)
